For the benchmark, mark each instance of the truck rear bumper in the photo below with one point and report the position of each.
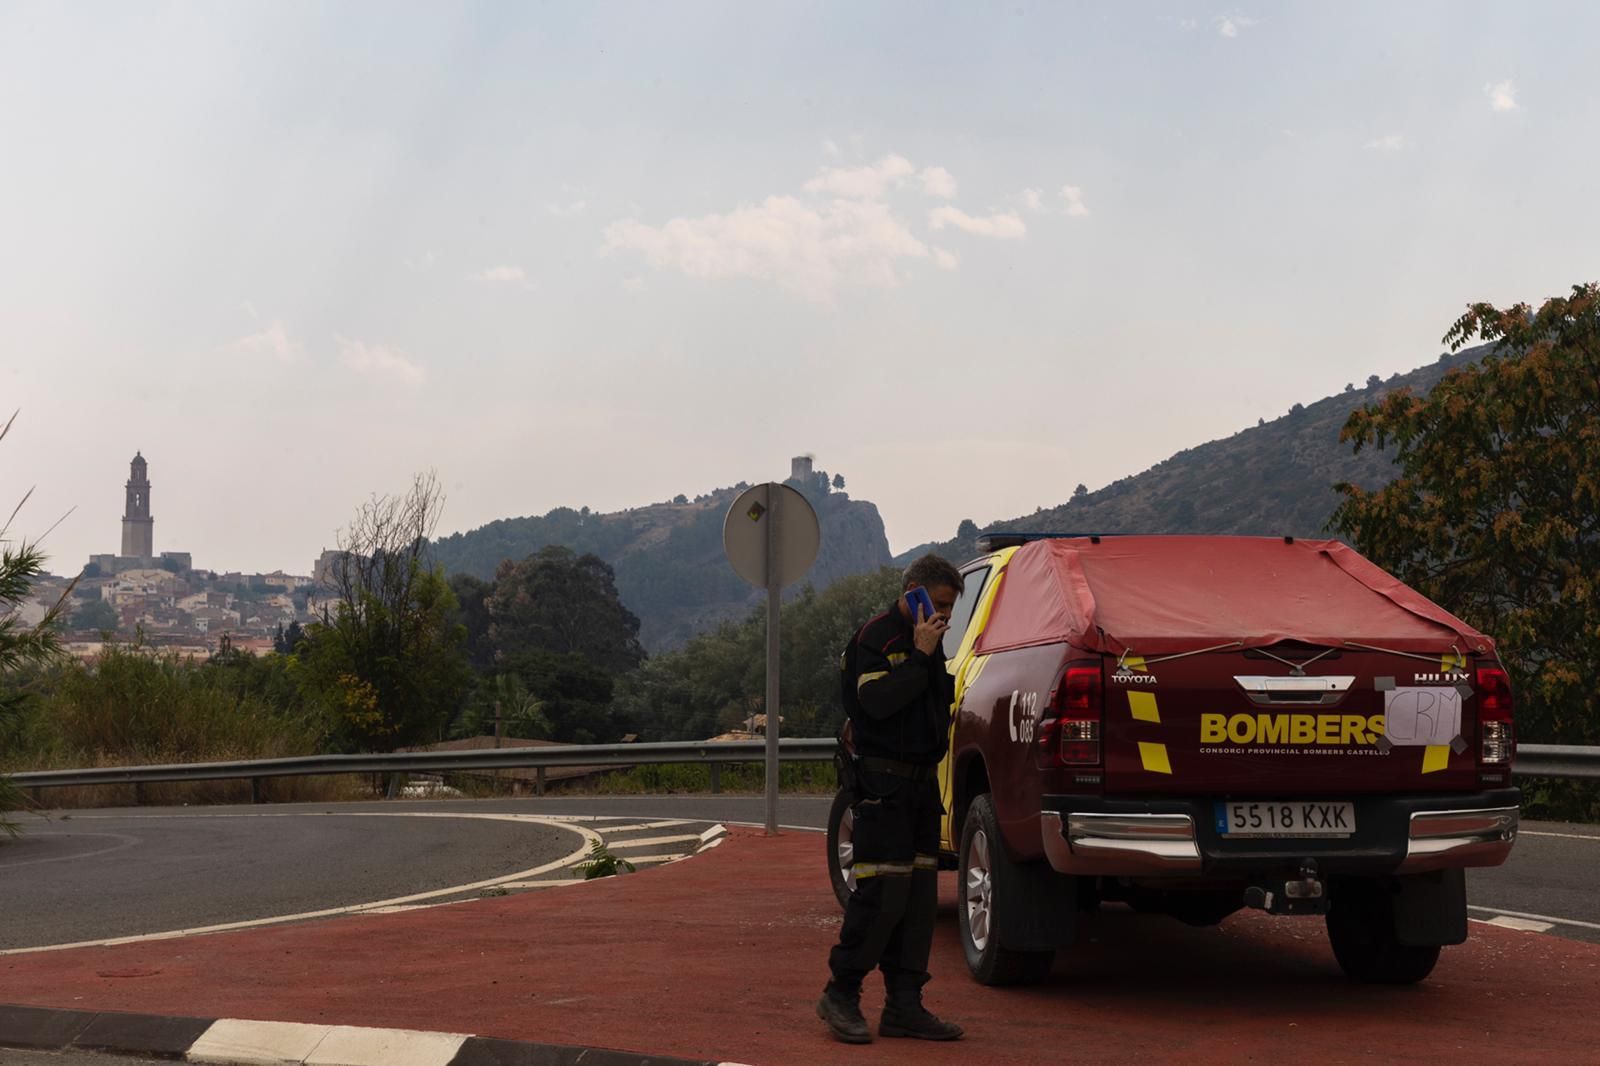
(1096, 836)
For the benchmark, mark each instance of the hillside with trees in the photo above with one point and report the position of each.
(1274, 478)
(667, 557)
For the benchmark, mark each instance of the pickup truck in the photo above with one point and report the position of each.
(1191, 725)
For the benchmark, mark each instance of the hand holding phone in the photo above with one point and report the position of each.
(921, 604)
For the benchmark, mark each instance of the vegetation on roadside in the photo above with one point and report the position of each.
(601, 863)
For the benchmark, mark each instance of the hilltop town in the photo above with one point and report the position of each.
(165, 603)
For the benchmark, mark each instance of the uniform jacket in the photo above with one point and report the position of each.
(898, 698)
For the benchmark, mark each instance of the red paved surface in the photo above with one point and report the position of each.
(723, 957)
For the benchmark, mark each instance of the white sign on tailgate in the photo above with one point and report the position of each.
(1417, 715)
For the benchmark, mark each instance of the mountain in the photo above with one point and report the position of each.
(1275, 478)
(668, 557)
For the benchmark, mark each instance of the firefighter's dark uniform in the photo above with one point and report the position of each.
(898, 700)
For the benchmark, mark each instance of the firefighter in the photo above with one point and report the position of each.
(897, 695)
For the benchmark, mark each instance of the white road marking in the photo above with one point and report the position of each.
(545, 884)
(589, 836)
(350, 1046)
(714, 831)
(1524, 925)
(653, 841)
(1563, 836)
(665, 824)
(1536, 917)
(234, 1040)
(669, 857)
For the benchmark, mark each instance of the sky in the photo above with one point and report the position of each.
(968, 256)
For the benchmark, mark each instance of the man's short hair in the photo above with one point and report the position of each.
(932, 571)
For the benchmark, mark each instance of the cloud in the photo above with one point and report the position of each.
(1502, 95)
(571, 210)
(273, 341)
(1072, 198)
(1391, 142)
(1008, 226)
(863, 183)
(804, 248)
(830, 149)
(1032, 199)
(945, 260)
(1230, 23)
(937, 181)
(380, 361)
(500, 275)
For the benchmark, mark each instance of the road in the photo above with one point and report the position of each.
(110, 873)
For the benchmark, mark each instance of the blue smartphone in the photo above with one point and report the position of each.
(921, 604)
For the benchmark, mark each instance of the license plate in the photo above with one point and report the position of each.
(1286, 818)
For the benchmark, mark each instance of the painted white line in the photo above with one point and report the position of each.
(566, 861)
(715, 831)
(1522, 925)
(545, 884)
(664, 824)
(349, 1046)
(711, 844)
(1563, 836)
(233, 1040)
(652, 841)
(637, 859)
(1536, 917)
(798, 828)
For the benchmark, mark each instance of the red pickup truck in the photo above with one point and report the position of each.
(1191, 725)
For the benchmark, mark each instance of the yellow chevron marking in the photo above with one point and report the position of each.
(1435, 758)
(1154, 757)
(1143, 706)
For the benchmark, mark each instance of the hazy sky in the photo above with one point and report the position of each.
(600, 254)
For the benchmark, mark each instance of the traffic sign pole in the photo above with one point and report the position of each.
(774, 604)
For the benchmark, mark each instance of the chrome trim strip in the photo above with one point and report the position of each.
(1439, 840)
(1120, 845)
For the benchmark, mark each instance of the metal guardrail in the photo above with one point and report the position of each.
(1533, 760)
(715, 753)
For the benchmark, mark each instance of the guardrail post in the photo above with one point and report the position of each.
(138, 793)
(716, 777)
(255, 791)
(37, 795)
(538, 781)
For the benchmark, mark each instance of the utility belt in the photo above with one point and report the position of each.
(908, 770)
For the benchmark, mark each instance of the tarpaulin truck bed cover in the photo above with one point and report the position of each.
(1193, 724)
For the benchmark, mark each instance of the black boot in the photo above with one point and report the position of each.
(842, 1013)
(911, 1018)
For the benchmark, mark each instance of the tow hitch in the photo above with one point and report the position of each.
(1302, 894)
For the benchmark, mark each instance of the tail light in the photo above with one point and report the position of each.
(1069, 734)
(1497, 734)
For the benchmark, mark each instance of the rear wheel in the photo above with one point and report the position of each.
(989, 882)
(841, 846)
(1361, 928)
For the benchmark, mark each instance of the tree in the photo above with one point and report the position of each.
(287, 641)
(472, 612)
(1298, 408)
(389, 660)
(838, 482)
(1496, 510)
(565, 603)
(95, 616)
(21, 646)
(1373, 381)
(967, 531)
(90, 570)
(680, 499)
(1080, 492)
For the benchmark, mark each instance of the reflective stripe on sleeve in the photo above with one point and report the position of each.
(872, 676)
(927, 862)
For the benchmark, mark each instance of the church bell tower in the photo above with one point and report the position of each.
(137, 525)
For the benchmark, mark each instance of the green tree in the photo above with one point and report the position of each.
(388, 661)
(561, 602)
(95, 615)
(1496, 511)
(472, 612)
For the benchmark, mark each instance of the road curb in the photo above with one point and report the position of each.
(240, 1042)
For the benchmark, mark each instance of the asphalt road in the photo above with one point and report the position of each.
(109, 873)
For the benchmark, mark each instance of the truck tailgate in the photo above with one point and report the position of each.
(1242, 724)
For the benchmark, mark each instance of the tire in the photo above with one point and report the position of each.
(1361, 929)
(988, 883)
(840, 853)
